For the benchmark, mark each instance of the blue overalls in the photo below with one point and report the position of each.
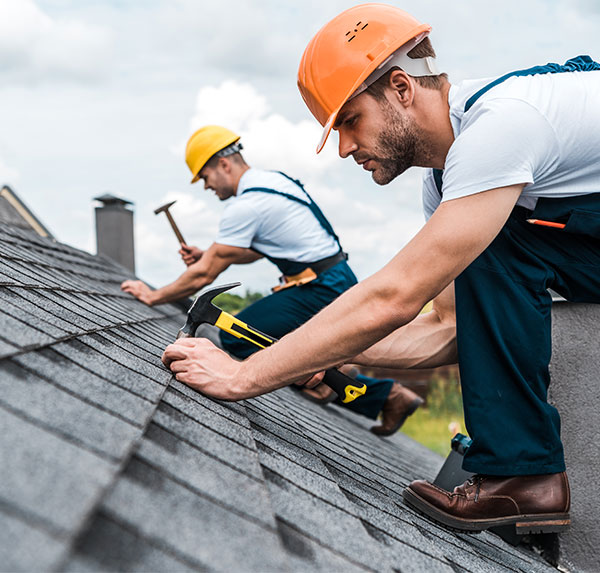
(503, 312)
(287, 309)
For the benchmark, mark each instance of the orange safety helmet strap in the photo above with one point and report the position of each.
(347, 50)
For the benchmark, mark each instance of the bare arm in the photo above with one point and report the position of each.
(454, 236)
(426, 342)
(199, 274)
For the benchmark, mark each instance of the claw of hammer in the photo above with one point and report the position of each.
(165, 208)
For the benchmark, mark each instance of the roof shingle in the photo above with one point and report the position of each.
(111, 464)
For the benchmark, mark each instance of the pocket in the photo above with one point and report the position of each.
(584, 222)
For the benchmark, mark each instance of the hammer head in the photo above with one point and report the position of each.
(165, 207)
(203, 310)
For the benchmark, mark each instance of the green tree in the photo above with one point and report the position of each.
(234, 303)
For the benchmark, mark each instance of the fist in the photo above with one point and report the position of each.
(190, 254)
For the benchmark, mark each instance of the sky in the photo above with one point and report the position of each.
(100, 96)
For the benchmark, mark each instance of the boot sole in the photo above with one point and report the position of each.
(524, 524)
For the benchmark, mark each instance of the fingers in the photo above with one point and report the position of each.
(193, 342)
(171, 353)
(182, 349)
(315, 380)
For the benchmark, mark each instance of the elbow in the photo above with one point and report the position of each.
(393, 306)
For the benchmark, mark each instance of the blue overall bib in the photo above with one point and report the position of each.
(503, 312)
(285, 310)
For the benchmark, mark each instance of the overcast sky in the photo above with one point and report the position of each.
(99, 96)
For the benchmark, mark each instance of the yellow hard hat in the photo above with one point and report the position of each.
(204, 143)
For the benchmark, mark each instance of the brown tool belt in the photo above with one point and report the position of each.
(310, 273)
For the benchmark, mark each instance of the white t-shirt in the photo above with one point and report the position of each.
(541, 130)
(274, 225)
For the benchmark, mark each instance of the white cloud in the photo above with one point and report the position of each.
(36, 48)
(270, 140)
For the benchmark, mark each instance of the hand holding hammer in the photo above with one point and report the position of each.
(189, 254)
(204, 311)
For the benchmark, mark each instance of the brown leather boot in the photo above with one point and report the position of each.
(533, 504)
(400, 404)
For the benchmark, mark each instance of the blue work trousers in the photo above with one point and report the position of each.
(503, 311)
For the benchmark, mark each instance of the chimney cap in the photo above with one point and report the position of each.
(110, 200)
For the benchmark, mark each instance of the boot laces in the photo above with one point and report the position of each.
(476, 481)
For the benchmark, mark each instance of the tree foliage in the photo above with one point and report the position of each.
(234, 303)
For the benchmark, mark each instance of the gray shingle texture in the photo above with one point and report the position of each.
(109, 464)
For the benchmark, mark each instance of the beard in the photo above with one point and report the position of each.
(396, 146)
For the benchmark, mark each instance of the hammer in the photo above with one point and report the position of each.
(204, 311)
(165, 208)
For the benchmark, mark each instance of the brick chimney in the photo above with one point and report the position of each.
(114, 230)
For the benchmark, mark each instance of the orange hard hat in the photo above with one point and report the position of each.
(347, 50)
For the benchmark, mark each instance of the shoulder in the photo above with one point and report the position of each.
(269, 180)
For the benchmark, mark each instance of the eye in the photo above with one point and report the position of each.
(351, 120)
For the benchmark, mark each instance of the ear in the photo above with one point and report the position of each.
(225, 164)
(403, 87)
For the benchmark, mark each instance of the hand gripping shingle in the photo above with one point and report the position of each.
(203, 311)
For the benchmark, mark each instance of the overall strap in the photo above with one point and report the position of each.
(578, 64)
(316, 211)
(437, 178)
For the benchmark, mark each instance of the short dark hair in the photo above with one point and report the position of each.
(423, 49)
(234, 157)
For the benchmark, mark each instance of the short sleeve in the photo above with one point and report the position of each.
(239, 224)
(502, 142)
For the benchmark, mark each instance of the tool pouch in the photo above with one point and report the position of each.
(306, 276)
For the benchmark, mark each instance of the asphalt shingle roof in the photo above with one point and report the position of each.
(109, 463)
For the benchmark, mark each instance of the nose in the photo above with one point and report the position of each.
(346, 145)
(205, 185)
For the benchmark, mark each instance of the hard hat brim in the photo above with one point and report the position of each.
(327, 129)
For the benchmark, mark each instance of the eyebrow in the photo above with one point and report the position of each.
(340, 119)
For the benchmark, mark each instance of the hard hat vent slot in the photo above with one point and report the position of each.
(359, 26)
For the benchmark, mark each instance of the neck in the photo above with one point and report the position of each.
(237, 173)
(435, 125)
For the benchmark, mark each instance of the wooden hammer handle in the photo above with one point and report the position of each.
(175, 228)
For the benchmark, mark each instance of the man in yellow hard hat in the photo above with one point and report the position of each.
(513, 206)
(269, 214)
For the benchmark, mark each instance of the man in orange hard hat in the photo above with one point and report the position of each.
(271, 215)
(512, 205)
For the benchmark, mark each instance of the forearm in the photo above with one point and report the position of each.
(189, 283)
(203, 272)
(428, 341)
(352, 323)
